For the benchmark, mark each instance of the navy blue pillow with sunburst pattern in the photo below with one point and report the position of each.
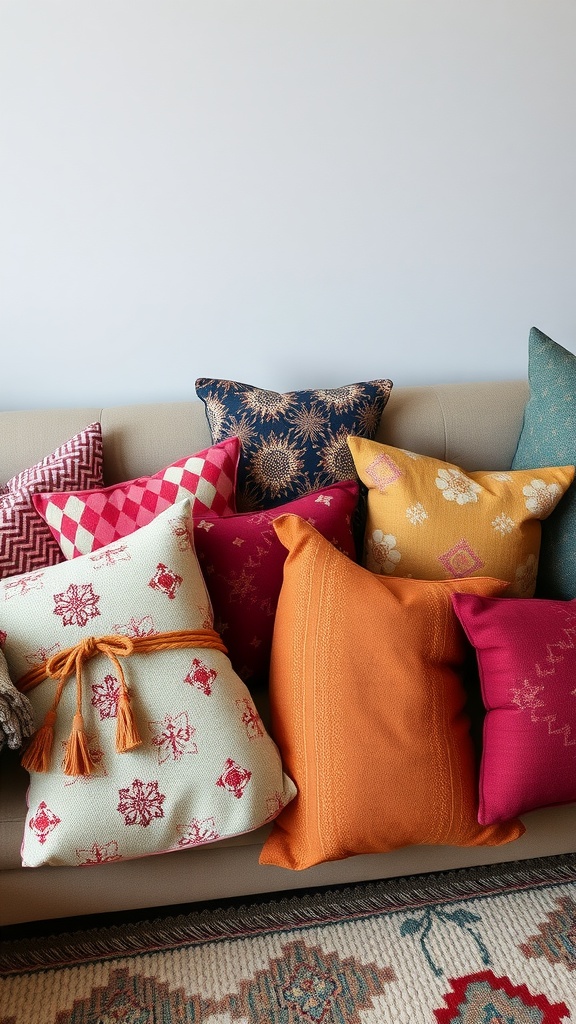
(292, 443)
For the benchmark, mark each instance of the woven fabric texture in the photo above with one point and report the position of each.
(429, 519)
(526, 655)
(206, 767)
(26, 542)
(367, 706)
(87, 520)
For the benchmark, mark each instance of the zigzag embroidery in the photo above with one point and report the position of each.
(525, 698)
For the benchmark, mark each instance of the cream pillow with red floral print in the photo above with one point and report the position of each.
(125, 637)
(432, 520)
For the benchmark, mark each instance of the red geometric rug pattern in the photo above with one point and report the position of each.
(481, 946)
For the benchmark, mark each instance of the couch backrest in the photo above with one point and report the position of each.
(474, 425)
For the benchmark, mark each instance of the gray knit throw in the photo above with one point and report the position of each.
(16, 715)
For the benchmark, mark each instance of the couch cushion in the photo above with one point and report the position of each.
(86, 520)
(205, 769)
(526, 655)
(548, 437)
(292, 443)
(367, 707)
(26, 543)
(429, 519)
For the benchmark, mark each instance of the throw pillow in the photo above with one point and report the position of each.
(292, 443)
(26, 543)
(242, 560)
(87, 520)
(431, 519)
(132, 623)
(548, 437)
(367, 708)
(526, 653)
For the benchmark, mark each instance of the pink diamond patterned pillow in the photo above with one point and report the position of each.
(26, 543)
(526, 652)
(242, 560)
(87, 520)
(205, 768)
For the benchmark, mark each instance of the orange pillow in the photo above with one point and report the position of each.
(368, 709)
(432, 520)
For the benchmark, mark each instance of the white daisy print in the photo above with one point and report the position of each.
(503, 524)
(456, 486)
(383, 552)
(541, 497)
(416, 513)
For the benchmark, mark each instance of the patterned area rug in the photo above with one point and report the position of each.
(480, 946)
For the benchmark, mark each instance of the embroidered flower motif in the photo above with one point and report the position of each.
(179, 527)
(201, 676)
(336, 458)
(456, 486)
(217, 415)
(416, 513)
(274, 805)
(166, 581)
(98, 854)
(22, 585)
(324, 499)
(137, 627)
(541, 497)
(234, 778)
(383, 554)
(203, 525)
(526, 697)
(241, 586)
(77, 605)
(44, 822)
(340, 398)
(105, 697)
(109, 556)
(268, 405)
(525, 577)
(141, 803)
(198, 832)
(250, 718)
(503, 524)
(173, 737)
(41, 655)
(461, 560)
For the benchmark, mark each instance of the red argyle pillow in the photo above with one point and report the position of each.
(87, 520)
(26, 543)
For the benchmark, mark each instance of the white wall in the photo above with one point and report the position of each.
(287, 192)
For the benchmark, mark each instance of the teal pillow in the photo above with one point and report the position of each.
(548, 438)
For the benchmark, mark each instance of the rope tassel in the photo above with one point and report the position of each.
(64, 664)
(77, 759)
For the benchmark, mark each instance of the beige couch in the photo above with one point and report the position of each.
(473, 425)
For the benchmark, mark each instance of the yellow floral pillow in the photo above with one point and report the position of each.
(432, 520)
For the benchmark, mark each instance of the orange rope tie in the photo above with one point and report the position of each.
(64, 664)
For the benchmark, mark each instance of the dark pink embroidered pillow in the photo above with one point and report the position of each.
(87, 520)
(526, 651)
(26, 542)
(242, 561)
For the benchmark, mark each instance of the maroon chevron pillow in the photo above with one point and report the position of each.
(26, 542)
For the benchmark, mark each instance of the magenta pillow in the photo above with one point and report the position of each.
(26, 542)
(243, 560)
(87, 520)
(526, 652)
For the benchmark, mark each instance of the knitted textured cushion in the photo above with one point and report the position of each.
(26, 543)
(432, 520)
(242, 561)
(292, 443)
(368, 709)
(526, 653)
(205, 767)
(87, 520)
(548, 437)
